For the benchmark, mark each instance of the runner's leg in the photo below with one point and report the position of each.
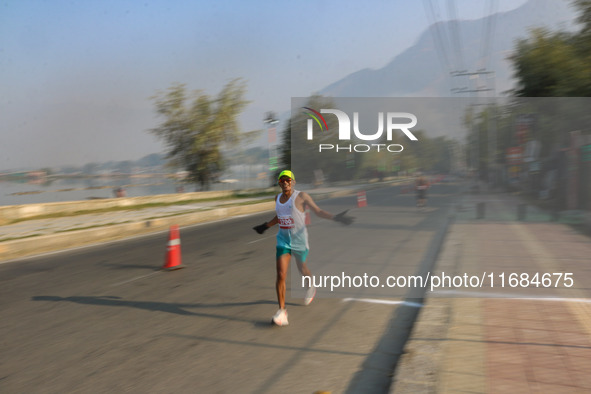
(282, 266)
(305, 271)
(303, 268)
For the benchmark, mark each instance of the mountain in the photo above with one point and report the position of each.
(423, 70)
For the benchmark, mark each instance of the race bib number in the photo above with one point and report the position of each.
(286, 222)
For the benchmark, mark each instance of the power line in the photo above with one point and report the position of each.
(488, 31)
(455, 34)
(438, 35)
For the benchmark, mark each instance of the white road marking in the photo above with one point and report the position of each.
(374, 301)
(136, 278)
(259, 240)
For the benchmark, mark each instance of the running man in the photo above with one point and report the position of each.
(292, 237)
(421, 187)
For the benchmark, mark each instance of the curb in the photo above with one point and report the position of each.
(379, 368)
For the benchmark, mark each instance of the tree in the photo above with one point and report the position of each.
(550, 65)
(584, 17)
(197, 127)
(555, 64)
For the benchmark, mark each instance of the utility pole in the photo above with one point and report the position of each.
(474, 151)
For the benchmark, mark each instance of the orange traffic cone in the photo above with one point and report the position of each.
(361, 199)
(308, 220)
(173, 251)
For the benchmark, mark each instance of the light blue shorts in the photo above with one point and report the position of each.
(300, 255)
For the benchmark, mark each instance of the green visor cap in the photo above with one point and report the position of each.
(286, 173)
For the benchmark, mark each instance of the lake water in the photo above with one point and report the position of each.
(73, 189)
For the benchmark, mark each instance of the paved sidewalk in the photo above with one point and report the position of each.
(512, 337)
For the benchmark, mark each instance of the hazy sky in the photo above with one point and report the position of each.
(76, 76)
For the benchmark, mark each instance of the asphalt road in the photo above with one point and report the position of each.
(107, 319)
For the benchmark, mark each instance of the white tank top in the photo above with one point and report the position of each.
(292, 224)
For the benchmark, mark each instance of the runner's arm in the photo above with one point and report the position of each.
(315, 208)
